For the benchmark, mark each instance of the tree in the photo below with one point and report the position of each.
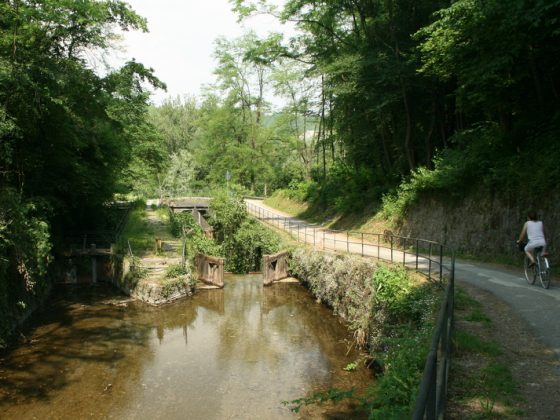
(66, 133)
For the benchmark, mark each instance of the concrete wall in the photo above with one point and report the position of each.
(275, 267)
(210, 270)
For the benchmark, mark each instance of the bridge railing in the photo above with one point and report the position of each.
(424, 256)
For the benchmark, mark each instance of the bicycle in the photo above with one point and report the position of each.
(540, 269)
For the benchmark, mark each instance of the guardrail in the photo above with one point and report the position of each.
(424, 256)
(432, 394)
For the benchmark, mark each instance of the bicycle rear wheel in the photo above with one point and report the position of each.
(530, 272)
(544, 271)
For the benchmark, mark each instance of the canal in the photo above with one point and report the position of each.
(231, 353)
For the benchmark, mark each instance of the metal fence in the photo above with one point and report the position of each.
(432, 394)
(425, 257)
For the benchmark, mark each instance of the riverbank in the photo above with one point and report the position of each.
(149, 265)
(391, 314)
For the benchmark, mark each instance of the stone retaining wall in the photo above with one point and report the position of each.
(483, 223)
(342, 282)
(129, 279)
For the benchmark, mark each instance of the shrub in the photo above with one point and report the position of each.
(243, 241)
(245, 248)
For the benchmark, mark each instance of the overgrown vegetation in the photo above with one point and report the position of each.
(391, 315)
(185, 227)
(243, 239)
(25, 253)
(485, 390)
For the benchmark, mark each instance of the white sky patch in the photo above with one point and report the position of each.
(180, 44)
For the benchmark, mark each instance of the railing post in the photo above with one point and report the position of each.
(404, 252)
(313, 237)
(441, 263)
(347, 242)
(417, 251)
(362, 244)
(378, 246)
(430, 262)
(391, 248)
(431, 403)
(298, 232)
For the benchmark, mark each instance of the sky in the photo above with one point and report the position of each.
(180, 44)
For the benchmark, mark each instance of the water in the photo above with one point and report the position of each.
(231, 353)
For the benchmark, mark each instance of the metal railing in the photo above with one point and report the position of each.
(432, 394)
(424, 256)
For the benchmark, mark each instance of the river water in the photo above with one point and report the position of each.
(231, 353)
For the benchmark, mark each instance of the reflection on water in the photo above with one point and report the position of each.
(231, 353)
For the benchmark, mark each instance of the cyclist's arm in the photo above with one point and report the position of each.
(523, 233)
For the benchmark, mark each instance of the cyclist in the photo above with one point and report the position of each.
(533, 229)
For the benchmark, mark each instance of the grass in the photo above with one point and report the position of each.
(141, 231)
(481, 383)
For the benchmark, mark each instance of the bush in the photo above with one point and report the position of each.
(243, 241)
(245, 248)
(183, 225)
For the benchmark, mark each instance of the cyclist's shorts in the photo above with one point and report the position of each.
(534, 244)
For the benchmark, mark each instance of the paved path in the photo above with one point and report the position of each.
(540, 308)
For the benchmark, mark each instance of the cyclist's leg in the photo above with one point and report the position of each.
(530, 272)
(530, 251)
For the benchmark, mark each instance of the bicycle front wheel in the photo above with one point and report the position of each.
(544, 271)
(530, 272)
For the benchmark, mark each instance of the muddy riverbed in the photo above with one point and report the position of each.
(231, 353)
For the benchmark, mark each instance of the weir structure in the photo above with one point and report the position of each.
(210, 270)
(275, 267)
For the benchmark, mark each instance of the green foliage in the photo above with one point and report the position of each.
(178, 179)
(183, 225)
(66, 132)
(394, 393)
(243, 240)
(301, 190)
(25, 254)
(245, 248)
(351, 367)
(173, 285)
(176, 270)
(490, 383)
(333, 395)
(481, 159)
(227, 212)
(136, 233)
